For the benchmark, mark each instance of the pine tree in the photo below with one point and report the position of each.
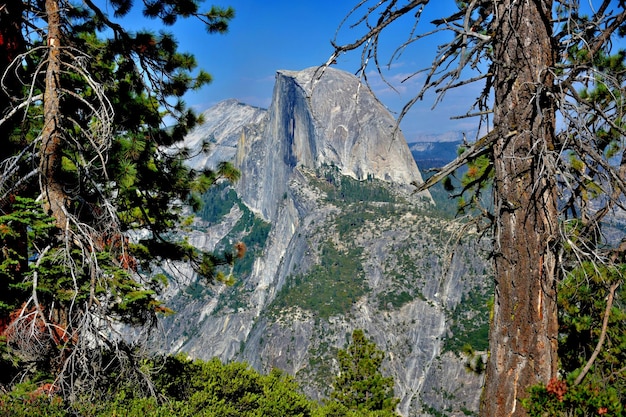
(554, 155)
(93, 183)
(360, 384)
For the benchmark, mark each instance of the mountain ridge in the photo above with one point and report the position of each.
(334, 243)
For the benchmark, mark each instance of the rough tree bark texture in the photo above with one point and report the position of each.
(523, 336)
(51, 140)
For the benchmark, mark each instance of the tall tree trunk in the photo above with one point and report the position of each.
(51, 141)
(523, 334)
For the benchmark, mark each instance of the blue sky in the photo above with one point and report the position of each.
(270, 35)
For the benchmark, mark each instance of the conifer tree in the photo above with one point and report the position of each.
(93, 181)
(360, 384)
(551, 105)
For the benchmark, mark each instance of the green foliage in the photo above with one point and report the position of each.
(186, 388)
(128, 407)
(468, 188)
(446, 203)
(475, 182)
(563, 398)
(25, 223)
(360, 384)
(592, 333)
(248, 235)
(217, 202)
(44, 267)
(197, 388)
(35, 404)
(355, 216)
(582, 299)
(330, 288)
(74, 191)
(344, 189)
(335, 409)
(252, 231)
(395, 299)
(469, 323)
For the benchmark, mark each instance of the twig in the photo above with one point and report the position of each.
(605, 325)
(461, 160)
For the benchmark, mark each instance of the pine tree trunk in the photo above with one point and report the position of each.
(51, 141)
(523, 334)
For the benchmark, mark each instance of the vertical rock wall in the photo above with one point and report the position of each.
(319, 120)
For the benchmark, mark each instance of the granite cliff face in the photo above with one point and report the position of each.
(336, 241)
(316, 118)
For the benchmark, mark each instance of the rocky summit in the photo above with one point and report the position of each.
(335, 241)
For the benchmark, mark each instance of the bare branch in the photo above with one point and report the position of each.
(469, 154)
(605, 325)
(21, 106)
(387, 17)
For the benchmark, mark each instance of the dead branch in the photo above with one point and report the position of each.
(605, 325)
(469, 154)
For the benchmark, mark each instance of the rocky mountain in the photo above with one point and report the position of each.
(434, 154)
(449, 136)
(335, 241)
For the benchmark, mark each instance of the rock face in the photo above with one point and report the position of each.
(335, 242)
(329, 118)
(316, 118)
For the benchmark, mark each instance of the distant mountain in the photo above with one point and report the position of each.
(434, 154)
(335, 241)
(450, 136)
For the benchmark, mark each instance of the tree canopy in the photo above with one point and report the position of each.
(93, 181)
(360, 384)
(551, 150)
(182, 388)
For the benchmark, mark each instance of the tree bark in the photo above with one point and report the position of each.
(524, 327)
(51, 140)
